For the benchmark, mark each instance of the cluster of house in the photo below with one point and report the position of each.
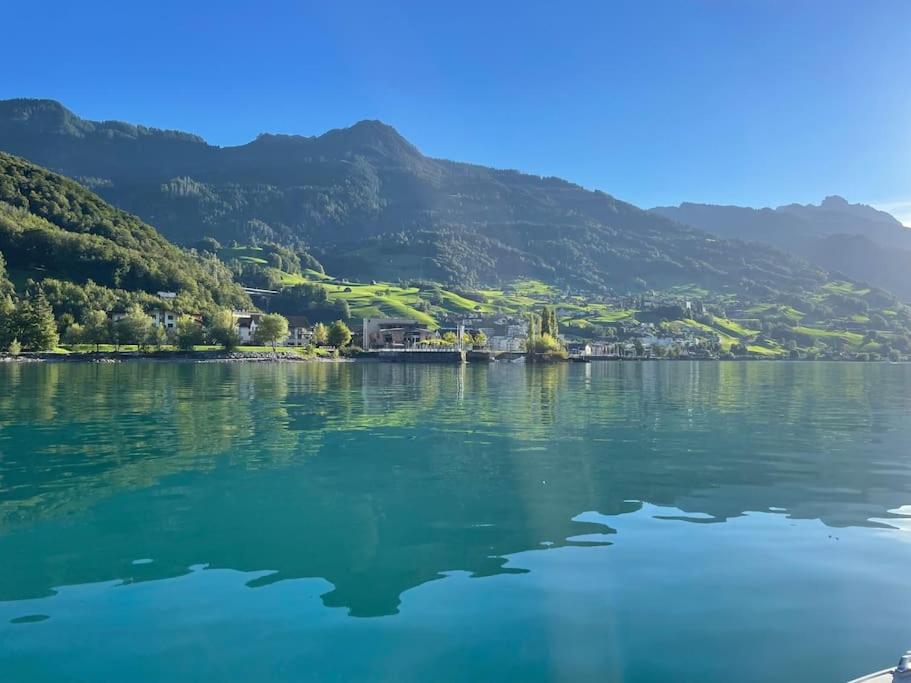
(510, 333)
(503, 333)
(246, 322)
(300, 333)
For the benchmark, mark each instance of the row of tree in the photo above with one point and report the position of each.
(29, 325)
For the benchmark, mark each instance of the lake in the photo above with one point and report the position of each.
(631, 522)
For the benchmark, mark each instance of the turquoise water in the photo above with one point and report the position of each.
(367, 522)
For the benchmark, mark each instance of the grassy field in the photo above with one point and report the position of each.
(726, 339)
(606, 315)
(852, 338)
(769, 349)
(428, 303)
(423, 303)
(845, 288)
(245, 254)
(776, 311)
(729, 327)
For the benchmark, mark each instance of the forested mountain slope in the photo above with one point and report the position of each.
(52, 227)
(372, 206)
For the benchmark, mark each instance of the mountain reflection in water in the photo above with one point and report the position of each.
(381, 477)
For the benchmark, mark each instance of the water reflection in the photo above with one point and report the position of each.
(382, 477)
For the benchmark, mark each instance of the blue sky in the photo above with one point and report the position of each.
(723, 101)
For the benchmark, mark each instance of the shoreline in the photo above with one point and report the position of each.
(110, 357)
(113, 357)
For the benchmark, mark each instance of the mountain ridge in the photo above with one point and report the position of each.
(858, 240)
(370, 204)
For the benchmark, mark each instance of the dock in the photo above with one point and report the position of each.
(418, 355)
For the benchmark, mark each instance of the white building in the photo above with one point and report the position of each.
(605, 349)
(246, 323)
(162, 318)
(299, 332)
(506, 343)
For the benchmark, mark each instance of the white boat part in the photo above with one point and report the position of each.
(898, 674)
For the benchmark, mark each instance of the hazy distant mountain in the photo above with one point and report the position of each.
(855, 239)
(835, 216)
(372, 206)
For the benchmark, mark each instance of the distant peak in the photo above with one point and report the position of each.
(27, 104)
(367, 129)
(373, 124)
(37, 116)
(26, 109)
(372, 136)
(44, 116)
(834, 201)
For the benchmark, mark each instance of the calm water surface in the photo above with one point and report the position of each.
(603, 522)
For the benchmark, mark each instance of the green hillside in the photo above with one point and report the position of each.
(838, 315)
(55, 231)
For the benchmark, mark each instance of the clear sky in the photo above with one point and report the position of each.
(725, 101)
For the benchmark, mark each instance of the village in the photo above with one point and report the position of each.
(644, 327)
(501, 336)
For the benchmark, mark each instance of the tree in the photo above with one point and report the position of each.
(273, 328)
(339, 334)
(64, 321)
(7, 308)
(343, 309)
(15, 348)
(534, 325)
(188, 333)
(158, 337)
(545, 320)
(134, 327)
(209, 244)
(545, 344)
(95, 328)
(320, 334)
(32, 324)
(878, 322)
(222, 330)
(6, 288)
(450, 338)
(75, 334)
(479, 339)
(548, 321)
(294, 300)
(640, 349)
